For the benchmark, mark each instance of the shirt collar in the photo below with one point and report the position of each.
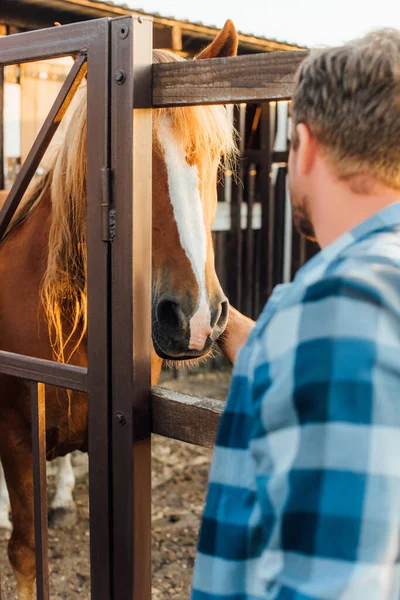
(384, 219)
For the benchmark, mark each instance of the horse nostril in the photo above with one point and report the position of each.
(170, 315)
(223, 318)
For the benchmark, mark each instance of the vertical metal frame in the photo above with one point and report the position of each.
(38, 410)
(131, 162)
(99, 332)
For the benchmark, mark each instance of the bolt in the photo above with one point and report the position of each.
(121, 418)
(120, 77)
(124, 32)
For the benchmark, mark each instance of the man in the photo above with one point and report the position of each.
(304, 493)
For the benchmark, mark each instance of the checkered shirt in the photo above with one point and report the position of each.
(304, 493)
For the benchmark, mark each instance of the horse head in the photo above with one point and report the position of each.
(189, 310)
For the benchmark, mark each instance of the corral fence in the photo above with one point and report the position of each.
(123, 87)
(256, 245)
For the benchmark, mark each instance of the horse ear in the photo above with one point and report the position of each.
(225, 44)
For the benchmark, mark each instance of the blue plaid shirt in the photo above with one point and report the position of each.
(304, 492)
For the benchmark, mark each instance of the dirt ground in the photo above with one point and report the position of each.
(179, 483)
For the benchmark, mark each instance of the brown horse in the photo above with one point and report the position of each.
(43, 283)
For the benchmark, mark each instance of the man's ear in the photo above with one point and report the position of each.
(306, 148)
(225, 44)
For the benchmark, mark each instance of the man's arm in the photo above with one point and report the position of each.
(325, 444)
(236, 333)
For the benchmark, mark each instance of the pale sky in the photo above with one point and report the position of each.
(305, 22)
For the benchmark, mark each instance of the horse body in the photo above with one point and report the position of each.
(43, 291)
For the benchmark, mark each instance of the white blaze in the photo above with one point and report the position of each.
(184, 189)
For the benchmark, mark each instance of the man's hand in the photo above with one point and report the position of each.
(236, 333)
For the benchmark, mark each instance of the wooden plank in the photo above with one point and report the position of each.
(186, 418)
(45, 371)
(268, 76)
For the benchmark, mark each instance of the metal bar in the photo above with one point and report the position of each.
(45, 371)
(279, 226)
(131, 152)
(249, 283)
(42, 141)
(186, 418)
(49, 43)
(287, 238)
(248, 78)
(38, 411)
(236, 235)
(265, 248)
(99, 332)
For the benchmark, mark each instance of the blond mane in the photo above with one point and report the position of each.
(205, 132)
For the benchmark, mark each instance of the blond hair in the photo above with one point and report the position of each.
(349, 97)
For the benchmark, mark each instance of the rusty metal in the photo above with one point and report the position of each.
(42, 142)
(38, 415)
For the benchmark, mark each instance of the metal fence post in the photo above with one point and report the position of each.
(131, 159)
(99, 282)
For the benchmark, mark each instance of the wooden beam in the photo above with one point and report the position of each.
(186, 418)
(176, 32)
(249, 78)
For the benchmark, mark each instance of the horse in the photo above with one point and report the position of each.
(43, 275)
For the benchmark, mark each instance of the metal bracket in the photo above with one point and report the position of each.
(107, 213)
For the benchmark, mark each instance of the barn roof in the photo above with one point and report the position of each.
(39, 12)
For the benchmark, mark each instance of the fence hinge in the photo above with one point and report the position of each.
(107, 213)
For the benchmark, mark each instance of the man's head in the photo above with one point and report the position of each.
(346, 122)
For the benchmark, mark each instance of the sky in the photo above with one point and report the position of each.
(304, 22)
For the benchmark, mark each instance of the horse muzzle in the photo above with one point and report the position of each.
(182, 331)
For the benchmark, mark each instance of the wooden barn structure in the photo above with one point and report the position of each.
(255, 245)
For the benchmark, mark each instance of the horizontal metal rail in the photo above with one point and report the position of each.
(50, 43)
(249, 78)
(185, 418)
(43, 371)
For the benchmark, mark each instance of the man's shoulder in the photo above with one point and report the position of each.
(370, 266)
(363, 280)
(380, 247)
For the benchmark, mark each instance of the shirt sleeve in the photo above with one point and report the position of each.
(326, 442)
